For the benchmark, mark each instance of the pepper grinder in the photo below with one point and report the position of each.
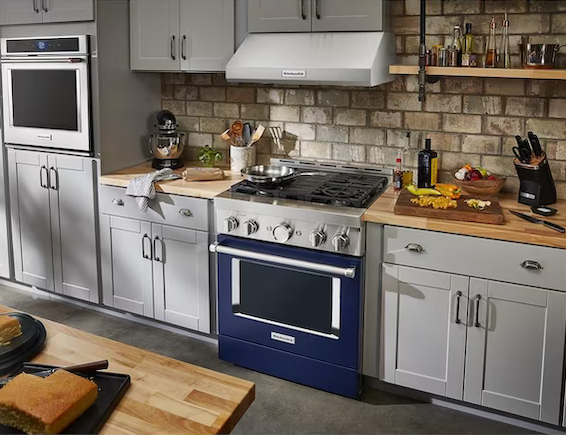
(504, 48)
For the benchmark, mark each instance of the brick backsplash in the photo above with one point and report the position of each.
(468, 119)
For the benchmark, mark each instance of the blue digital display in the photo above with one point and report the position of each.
(42, 45)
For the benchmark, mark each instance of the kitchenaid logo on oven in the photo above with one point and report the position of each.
(282, 337)
(293, 74)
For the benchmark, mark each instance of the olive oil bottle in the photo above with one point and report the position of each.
(427, 173)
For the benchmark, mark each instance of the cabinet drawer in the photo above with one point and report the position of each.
(473, 256)
(176, 210)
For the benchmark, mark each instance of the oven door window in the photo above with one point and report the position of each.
(291, 298)
(45, 99)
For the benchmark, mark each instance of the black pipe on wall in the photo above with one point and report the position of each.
(422, 54)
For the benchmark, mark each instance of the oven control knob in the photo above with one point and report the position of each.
(340, 241)
(282, 232)
(230, 224)
(250, 227)
(317, 238)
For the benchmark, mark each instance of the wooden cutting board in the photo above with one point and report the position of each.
(491, 215)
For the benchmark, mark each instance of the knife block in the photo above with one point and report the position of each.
(536, 182)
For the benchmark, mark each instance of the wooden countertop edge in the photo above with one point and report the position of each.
(513, 230)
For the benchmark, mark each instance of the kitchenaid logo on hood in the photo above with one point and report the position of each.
(294, 74)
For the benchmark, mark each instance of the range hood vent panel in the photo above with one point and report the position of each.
(339, 59)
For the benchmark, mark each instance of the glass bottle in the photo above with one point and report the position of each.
(398, 176)
(468, 45)
(504, 49)
(457, 43)
(491, 51)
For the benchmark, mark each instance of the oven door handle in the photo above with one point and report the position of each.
(348, 272)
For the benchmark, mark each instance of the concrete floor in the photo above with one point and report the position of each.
(280, 406)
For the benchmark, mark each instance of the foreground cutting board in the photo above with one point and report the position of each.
(491, 215)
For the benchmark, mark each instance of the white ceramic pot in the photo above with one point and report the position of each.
(241, 157)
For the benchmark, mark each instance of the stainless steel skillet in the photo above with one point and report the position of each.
(273, 174)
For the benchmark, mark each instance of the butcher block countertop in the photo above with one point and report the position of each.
(166, 396)
(513, 230)
(198, 189)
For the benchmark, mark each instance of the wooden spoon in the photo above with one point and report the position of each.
(258, 133)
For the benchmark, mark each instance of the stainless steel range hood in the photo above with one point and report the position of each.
(338, 58)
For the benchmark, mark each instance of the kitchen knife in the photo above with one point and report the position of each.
(80, 368)
(535, 220)
(535, 144)
(526, 150)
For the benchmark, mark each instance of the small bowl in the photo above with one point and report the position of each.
(481, 187)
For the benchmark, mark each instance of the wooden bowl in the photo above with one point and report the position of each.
(481, 187)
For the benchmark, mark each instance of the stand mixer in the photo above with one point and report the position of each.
(168, 144)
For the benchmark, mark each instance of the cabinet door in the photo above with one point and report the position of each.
(515, 349)
(20, 12)
(58, 11)
(127, 264)
(72, 186)
(154, 35)
(180, 276)
(5, 255)
(424, 317)
(347, 15)
(31, 222)
(207, 34)
(272, 16)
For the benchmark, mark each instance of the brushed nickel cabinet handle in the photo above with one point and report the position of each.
(184, 47)
(144, 255)
(118, 201)
(477, 322)
(458, 297)
(531, 264)
(35, 7)
(317, 9)
(173, 48)
(53, 180)
(44, 3)
(304, 16)
(414, 247)
(155, 257)
(186, 212)
(41, 179)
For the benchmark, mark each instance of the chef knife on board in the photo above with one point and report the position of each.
(535, 220)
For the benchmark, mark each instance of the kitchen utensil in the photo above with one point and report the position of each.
(535, 144)
(111, 389)
(523, 151)
(236, 132)
(544, 211)
(273, 174)
(168, 144)
(490, 215)
(78, 368)
(539, 56)
(258, 133)
(226, 135)
(247, 133)
(241, 158)
(481, 187)
(276, 135)
(536, 183)
(536, 220)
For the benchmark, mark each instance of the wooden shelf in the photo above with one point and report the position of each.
(543, 74)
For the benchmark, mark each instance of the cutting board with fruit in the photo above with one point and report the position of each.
(464, 208)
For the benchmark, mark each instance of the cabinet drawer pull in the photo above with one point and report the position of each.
(477, 322)
(317, 9)
(186, 212)
(304, 16)
(43, 181)
(458, 297)
(118, 201)
(173, 48)
(184, 47)
(414, 247)
(531, 264)
(155, 257)
(53, 179)
(144, 255)
(45, 8)
(35, 8)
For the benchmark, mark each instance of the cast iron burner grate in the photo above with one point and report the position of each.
(350, 190)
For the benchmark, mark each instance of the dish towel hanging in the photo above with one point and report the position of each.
(142, 189)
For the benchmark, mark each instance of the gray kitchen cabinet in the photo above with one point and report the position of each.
(347, 15)
(274, 16)
(181, 35)
(31, 218)
(73, 226)
(127, 264)
(154, 33)
(45, 11)
(180, 277)
(53, 222)
(515, 349)
(424, 321)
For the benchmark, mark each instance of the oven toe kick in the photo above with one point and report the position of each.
(286, 365)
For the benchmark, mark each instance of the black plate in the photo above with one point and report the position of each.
(15, 360)
(111, 388)
(29, 334)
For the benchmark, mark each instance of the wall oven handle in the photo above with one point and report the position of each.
(348, 272)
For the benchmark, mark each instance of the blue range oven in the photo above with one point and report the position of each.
(290, 312)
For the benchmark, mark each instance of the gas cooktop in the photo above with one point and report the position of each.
(350, 190)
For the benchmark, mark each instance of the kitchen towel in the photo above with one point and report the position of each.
(142, 189)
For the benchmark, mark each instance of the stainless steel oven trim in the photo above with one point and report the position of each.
(68, 140)
(348, 272)
(335, 316)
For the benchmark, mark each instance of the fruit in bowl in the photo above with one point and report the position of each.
(478, 181)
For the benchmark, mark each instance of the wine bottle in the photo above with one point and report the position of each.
(427, 166)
